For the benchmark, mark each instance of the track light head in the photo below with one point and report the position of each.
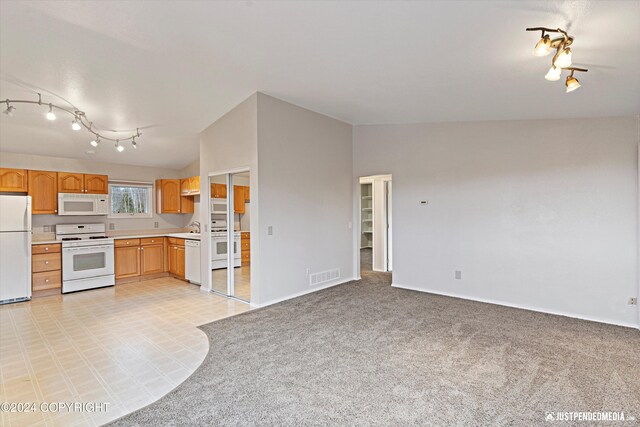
(95, 142)
(10, 109)
(50, 115)
(543, 47)
(553, 74)
(134, 144)
(119, 147)
(75, 125)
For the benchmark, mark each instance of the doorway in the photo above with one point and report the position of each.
(375, 223)
(229, 208)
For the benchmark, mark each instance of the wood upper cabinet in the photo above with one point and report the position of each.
(96, 184)
(43, 189)
(82, 183)
(190, 186)
(152, 261)
(70, 182)
(13, 180)
(194, 183)
(238, 199)
(219, 191)
(185, 187)
(127, 261)
(168, 196)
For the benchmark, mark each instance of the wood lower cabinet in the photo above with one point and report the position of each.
(43, 189)
(245, 248)
(152, 260)
(127, 261)
(46, 262)
(13, 180)
(176, 257)
(135, 258)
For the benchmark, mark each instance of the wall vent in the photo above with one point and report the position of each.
(324, 277)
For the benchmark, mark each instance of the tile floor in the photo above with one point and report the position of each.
(127, 345)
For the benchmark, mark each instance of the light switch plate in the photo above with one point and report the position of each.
(112, 226)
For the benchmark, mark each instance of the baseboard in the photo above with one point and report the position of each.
(522, 307)
(299, 294)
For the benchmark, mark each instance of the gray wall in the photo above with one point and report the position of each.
(538, 214)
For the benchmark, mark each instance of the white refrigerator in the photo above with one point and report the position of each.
(15, 248)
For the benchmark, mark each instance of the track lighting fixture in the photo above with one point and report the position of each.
(79, 121)
(10, 109)
(50, 115)
(562, 59)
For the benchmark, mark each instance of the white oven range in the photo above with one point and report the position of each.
(87, 257)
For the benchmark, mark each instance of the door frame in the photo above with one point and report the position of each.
(387, 245)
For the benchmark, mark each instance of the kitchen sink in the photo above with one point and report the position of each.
(194, 236)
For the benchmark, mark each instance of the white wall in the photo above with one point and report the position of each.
(115, 172)
(230, 144)
(536, 214)
(305, 162)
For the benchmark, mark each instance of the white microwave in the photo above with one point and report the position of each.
(219, 206)
(83, 204)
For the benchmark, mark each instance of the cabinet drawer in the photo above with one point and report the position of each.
(175, 241)
(126, 242)
(246, 255)
(245, 245)
(45, 249)
(45, 262)
(46, 280)
(152, 241)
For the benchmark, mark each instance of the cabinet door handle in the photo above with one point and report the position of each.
(46, 280)
(46, 263)
(46, 249)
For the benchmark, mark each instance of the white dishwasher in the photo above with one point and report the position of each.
(192, 261)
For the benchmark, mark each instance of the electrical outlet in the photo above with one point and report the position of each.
(633, 301)
(458, 275)
(112, 226)
(156, 224)
(45, 228)
(270, 230)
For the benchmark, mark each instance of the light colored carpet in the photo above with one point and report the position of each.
(367, 354)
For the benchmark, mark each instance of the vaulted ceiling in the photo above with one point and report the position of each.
(178, 66)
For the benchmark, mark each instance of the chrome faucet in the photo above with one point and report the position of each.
(195, 224)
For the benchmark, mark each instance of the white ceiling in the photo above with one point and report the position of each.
(181, 65)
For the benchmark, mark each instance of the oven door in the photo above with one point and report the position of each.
(87, 261)
(219, 248)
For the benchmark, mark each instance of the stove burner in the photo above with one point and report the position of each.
(65, 239)
(98, 237)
